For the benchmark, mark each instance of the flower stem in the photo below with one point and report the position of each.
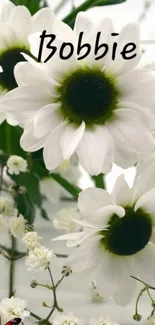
(12, 267)
(99, 181)
(138, 298)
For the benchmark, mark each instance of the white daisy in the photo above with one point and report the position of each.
(118, 237)
(16, 25)
(16, 165)
(98, 109)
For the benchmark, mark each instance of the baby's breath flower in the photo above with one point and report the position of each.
(65, 220)
(67, 319)
(17, 226)
(102, 321)
(16, 165)
(31, 240)
(39, 259)
(7, 207)
(11, 308)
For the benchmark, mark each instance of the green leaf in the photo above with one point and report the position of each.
(32, 5)
(10, 140)
(25, 206)
(70, 19)
(70, 188)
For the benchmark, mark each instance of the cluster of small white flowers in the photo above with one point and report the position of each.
(70, 319)
(11, 308)
(65, 220)
(9, 218)
(39, 257)
(17, 226)
(16, 165)
(7, 207)
(102, 321)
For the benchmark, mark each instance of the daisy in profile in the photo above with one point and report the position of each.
(16, 25)
(118, 239)
(99, 109)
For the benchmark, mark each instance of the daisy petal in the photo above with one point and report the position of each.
(42, 20)
(125, 291)
(46, 120)
(6, 11)
(99, 146)
(147, 202)
(83, 24)
(71, 138)
(52, 151)
(20, 19)
(91, 200)
(121, 192)
(26, 73)
(102, 216)
(28, 142)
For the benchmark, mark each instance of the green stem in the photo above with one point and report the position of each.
(12, 266)
(72, 189)
(138, 298)
(99, 181)
(69, 19)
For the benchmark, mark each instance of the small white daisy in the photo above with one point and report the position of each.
(39, 259)
(11, 308)
(118, 239)
(16, 165)
(100, 109)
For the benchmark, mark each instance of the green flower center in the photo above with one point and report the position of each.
(8, 60)
(128, 235)
(88, 95)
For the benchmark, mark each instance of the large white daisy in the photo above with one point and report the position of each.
(119, 235)
(102, 110)
(16, 25)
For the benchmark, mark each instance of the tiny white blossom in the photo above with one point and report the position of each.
(16, 165)
(7, 207)
(68, 319)
(94, 294)
(39, 259)
(101, 321)
(17, 226)
(11, 308)
(31, 240)
(65, 220)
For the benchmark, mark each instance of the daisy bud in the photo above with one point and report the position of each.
(137, 317)
(33, 284)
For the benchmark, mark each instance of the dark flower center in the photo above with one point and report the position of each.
(128, 235)
(8, 60)
(88, 95)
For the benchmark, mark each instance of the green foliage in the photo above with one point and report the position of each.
(70, 19)
(10, 140)
(32, 5)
